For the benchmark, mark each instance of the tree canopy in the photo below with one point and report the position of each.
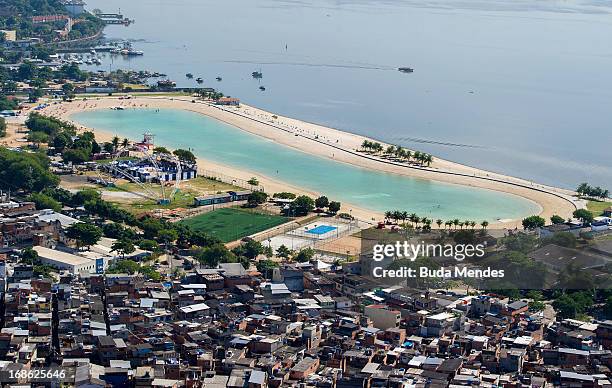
(25, 171)
(84, 234)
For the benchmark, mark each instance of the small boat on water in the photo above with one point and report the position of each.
(257, 74)
(262, 88)
(199, 80)
(219, 78)
(131, 52)
(405, 69)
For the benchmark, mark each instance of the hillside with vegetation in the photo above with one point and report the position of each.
(17, 15)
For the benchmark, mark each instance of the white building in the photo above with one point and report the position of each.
(74, 7)
(65, 261)
(194, 311)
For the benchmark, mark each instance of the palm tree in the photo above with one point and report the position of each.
(484, 224)
(404, 216)
(439, 223)
(456, 223)
(388, 215)
(472, 224)
(583, 188)
(125, 143)
(408, 155)
(413, 218)
(115, 143)
(448, 224)
(402, 154)
(398, 151)
(427, 158)
(390, 150)
(366, 145)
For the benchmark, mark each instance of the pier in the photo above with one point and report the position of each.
(114, 18)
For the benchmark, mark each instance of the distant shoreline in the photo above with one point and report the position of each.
(319, 140)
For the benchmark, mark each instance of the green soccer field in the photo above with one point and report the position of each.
(229, 224)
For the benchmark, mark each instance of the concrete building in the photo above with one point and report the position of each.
(65, 261)
(382, 317)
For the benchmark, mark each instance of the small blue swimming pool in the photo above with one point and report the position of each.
(321, 229)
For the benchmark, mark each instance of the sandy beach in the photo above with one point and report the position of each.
(330, 143)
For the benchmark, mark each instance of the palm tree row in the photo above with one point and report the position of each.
(594, 192)
(425, 223)
(398, 152)
(372, 146)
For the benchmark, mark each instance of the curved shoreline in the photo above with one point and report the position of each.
(315, 139)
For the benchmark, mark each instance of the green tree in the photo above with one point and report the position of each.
(167, 236)
(76, 156)
(533, 222)
(555, 219)
(256, 198)
(86, 195)
(59, 194)
(284, 195)
(115, 143)
(129, 267)
(2, 127)
(185, 156)
(148, 245)
(564, 239)
(37, 138)
(43, 201)
(123, 247)
(520, 242)
(266, 266)
(301, 206)
(68, 89)
(283, 251)
(334, 207)
(321, 202)
(536, 306)
(249, 249)
(161, 150)
(25, 171)
(85, 234)
(253, 181)
(36, 94)
(29, 256)
(305, 255)
(61, 141)
(571, 305)
(150, 273)
(583, 215)
(215, 254)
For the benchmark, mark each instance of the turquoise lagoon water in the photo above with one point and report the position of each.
(223, 143)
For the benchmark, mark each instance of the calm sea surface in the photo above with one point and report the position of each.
(369, 189)
(520, 87)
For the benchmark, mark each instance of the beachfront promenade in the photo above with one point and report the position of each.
(517, 182)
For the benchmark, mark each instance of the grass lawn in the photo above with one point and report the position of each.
(183, 198)
(230, 224)
(597, 207)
